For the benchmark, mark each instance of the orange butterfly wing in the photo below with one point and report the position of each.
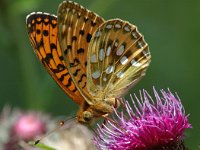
(42, 31)
(76, 26)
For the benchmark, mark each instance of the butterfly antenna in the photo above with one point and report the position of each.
(61, 124)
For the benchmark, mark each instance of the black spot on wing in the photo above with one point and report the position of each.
(69, 47)
(38, 31)
(86, 19)
(82, 76)
(45, 32)
(75, 63)
(74, 38)
(61, 67)
(61, 58)
(63, 76)
(76, 72)
(81, 32)
(40, 44)
(53, 46)
(85, 63)
(48, 57)
(84, 85)
(74, 90)
(89, 36)
(93, 23)
(69, 83)
(80, 50)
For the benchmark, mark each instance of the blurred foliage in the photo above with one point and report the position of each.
(171, 27)
(44, 147)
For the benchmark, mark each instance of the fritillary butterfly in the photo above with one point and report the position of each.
(94, 61)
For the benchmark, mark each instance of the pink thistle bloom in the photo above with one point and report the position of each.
(148, 125)
(28, 126)
(18, 127)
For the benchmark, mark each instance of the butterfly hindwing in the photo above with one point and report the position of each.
(42, 31)
(76, 26)
(118, 57)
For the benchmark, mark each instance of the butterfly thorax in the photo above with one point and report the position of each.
(88, 114)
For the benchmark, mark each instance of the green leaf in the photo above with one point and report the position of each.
(44, 147)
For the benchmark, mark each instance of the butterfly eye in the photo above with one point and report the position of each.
(87, 116)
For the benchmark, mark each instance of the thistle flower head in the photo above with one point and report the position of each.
(28, 126)
(17, 126)
(148, 125)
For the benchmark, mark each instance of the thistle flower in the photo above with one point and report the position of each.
(148, 125)
(16, 126)
(28, 126)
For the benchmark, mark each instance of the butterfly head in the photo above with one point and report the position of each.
(85, 117)
(88, 114)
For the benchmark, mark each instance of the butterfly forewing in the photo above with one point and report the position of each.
(76, 26)
(118, 57)
(42, 31)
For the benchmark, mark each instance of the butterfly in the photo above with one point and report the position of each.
(94, 61)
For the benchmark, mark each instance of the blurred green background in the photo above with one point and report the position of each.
(171, 28)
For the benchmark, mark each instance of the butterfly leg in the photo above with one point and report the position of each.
(121, 102)
(118, 102)
(104, 123)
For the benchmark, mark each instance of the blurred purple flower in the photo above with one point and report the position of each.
(150, 125)
(28, 126)
(17, 126)
(19, 130)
